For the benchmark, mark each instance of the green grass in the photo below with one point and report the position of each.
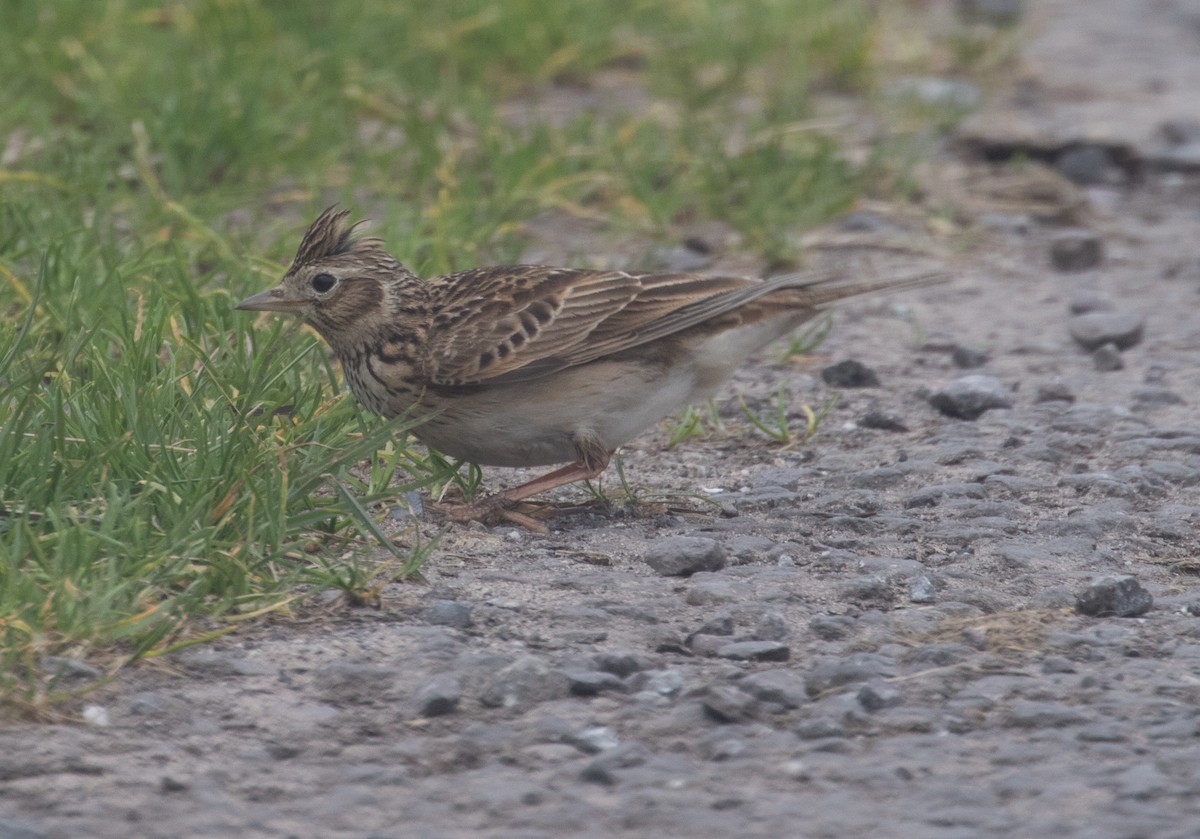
(170, 465)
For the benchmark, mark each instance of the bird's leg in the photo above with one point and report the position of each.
(496, 506)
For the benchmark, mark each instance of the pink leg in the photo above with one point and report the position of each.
(490, 508)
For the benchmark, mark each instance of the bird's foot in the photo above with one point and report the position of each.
(492, 510)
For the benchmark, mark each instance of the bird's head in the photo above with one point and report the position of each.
(339, 283)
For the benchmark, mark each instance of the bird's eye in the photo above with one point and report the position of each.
(321, 283)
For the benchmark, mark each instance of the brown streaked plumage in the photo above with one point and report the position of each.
(529, 365)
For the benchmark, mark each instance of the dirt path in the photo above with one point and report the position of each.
(890, 648)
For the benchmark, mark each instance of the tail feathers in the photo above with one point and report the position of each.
(824, 289)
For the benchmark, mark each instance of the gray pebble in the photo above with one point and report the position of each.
(592, 682)
(602, 770)
(726, 703)
(1026, 714)
(449, 613)
(527, 681)
(682, 556)
(883, 421)
(922, 590)
(1107, 358)
(711, 592)
(755, 651)
(706, 645)
(621, 664)
(778, 687)
(875, 696)
(1075, 250)
(1095, 329)
(721, 624)
(1088, 164)
(933, 495)
(856, 667)
(661, 682)
(831, 627)
(1155, 397)
(968, 358)
(595, 740)
(1121, 596)
(771, 627)
(1054, 392)
(849, 374)
(970, 396)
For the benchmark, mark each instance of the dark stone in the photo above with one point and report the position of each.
(1107, 358)
(849, 373)
(1054, 392)
(970, 396)
(968, 358)
(882, 420)
(726, 703)
(1121, 597)
(592, 682)
(1075, 250)
(755, 651)
(525, 682)
(1087, 165)
(449, 613)
(438, 697)
(778, 687)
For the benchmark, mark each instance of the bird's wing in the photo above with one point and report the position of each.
(526, 321)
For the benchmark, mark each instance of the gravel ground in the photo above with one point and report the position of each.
(968, 608)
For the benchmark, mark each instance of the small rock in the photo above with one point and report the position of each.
(1088, 301)
(755, 651)
(876, 696)
(777, 687)
(1026, 714)
(970, 396)
(1087, 164)
(592, 682)
(849, 373)
(1054, 392)
(682, 556)
(831, 627)
(1075, 250)
(438, 697)
(1121, 596)
(525, 682)
(922, 590)
(620, 664)
(601, 770)
(771, 627)
(1107, 358)
(721, 624)
(882, 420)
(1155, 397)
(96, 716)
(449, 613)
(1095, 329)
(594, 740)
(726, 703)
(968, 358)
(662, 682)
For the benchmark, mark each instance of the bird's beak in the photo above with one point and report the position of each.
(272, 300)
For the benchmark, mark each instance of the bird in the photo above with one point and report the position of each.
(534, 365)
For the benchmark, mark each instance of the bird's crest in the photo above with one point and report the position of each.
(330, 235)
